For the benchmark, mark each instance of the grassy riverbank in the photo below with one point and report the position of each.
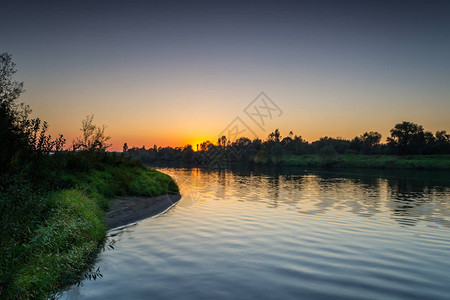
(68, 227)
(426, 162)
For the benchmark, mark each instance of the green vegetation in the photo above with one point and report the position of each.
(419, 162)
(52, 201)
(58, 249)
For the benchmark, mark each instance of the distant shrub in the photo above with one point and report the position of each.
(327, 156)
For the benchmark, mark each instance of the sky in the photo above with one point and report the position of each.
(177, 72)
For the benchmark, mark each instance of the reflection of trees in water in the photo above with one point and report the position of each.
(320, 194)
(409, 200)
(222, 186)
(412, 201)
(406, 199)
(274, 189)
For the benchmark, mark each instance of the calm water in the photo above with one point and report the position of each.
(286, 235)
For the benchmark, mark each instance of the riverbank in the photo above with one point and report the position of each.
(69, 227)
(418, 162)
(130, 209)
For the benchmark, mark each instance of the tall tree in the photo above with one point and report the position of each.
(274, 136)
(93, 137)
(368, 141)
(407, 138)
(23, 140)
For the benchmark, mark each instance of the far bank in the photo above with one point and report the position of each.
(417, 162)
(325, 160)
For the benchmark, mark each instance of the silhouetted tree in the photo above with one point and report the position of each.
(287, 142)
(300, 145)
(205, 146)
(442, 142)
(274, 136)
(188, 153)
(407, 138)
(12, 138)
(222, 141)
(442, 137)
(23, 140)
(93, 137)
(429, 143)
(367, 142)
(339, 145)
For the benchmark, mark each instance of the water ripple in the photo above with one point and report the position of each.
(284, 236)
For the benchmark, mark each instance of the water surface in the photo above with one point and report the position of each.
(286, 235)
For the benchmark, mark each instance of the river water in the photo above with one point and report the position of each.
(286, 234)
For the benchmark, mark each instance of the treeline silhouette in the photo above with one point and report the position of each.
(406, 138)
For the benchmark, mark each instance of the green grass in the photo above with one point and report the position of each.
(426, 162)
(113, 181)
(59, 249)
(62, 247)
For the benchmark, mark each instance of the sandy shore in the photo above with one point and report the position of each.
(129, 209)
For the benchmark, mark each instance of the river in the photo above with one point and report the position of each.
(286, 234)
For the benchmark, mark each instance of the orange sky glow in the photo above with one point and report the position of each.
(177, 75)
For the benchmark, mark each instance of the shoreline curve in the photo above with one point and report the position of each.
(127, 210)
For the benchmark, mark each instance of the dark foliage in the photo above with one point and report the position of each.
(406, 139)
(25, 169)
